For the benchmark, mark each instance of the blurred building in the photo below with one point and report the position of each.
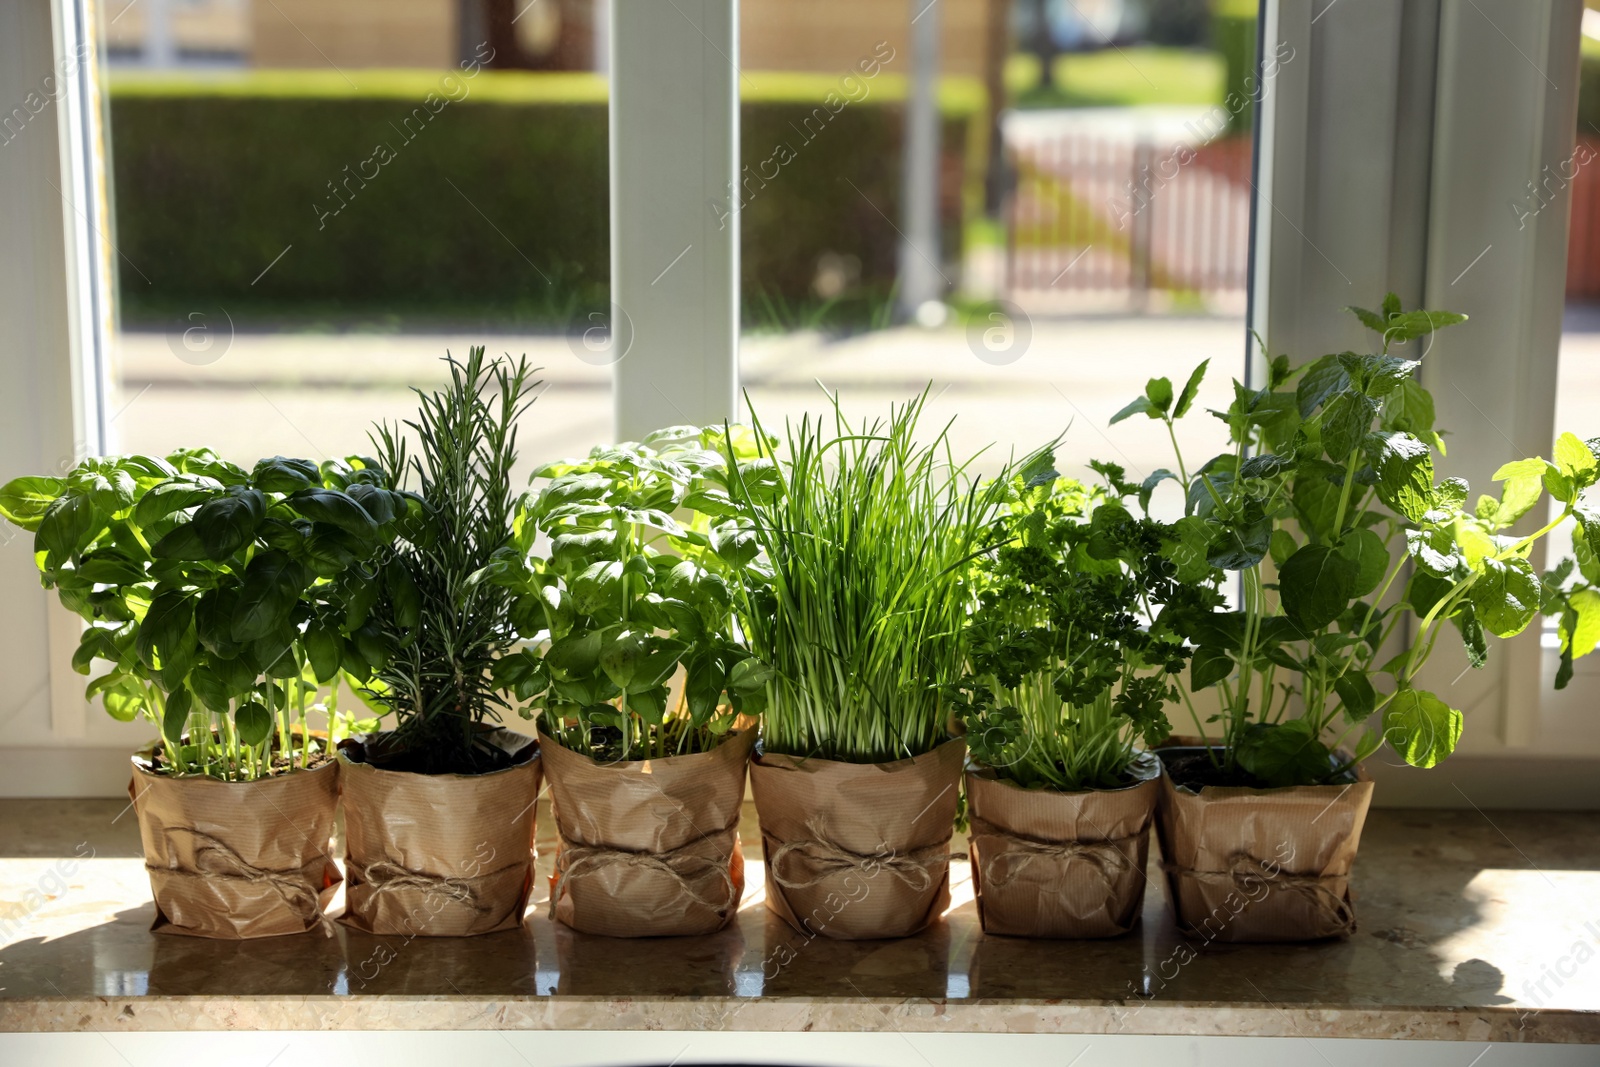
(816, 35)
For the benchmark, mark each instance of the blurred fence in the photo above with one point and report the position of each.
(1091, 212)
(1583, 232)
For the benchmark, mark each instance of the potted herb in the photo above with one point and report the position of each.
(209, 590)
(641, 684)
(1064, 684)
(439, 812)
(858, 605)
(1327, 511)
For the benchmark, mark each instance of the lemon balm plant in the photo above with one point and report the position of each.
(1327, 509)
(1325, 497)
(858, 605)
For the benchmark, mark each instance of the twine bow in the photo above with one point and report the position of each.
(1021, 852)
(1244, 868)
(215, 858)
(914, 869)
(386, 877)
(680, 864)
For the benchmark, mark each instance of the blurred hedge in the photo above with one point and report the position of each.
(495, 210)
(1589, 88)
(1233, 33)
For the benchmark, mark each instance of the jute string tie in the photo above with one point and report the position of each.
(1019, 852)
(1244, 869)
(681, 864)
(216, 859)
(914, 868)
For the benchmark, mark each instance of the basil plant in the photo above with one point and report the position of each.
(1327, 508)
(630, 604)
(216, 596)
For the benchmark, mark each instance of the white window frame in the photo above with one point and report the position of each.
(1349, 207)
(1392, 150)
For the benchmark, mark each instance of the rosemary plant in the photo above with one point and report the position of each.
(434, 622)
(861, 602)
(1064, 678)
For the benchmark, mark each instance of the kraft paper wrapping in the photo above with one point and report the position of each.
(648, 848)
(1067, 865)
(858, 850)
(439, 855)
(236, 859)
(1262, 864)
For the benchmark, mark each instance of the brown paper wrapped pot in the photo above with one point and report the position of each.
(648, 848)
(439, 855)
(236, 859)
(858, 850)
(1261, 864)
(1064, 865)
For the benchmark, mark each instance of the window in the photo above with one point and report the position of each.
(313, 202)
(1079, 223)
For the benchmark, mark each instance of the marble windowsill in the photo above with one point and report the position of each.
(1473, 927)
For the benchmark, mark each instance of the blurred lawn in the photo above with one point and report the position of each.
(1127, 77)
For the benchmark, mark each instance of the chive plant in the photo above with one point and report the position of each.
(861, 599)
(1065, 676)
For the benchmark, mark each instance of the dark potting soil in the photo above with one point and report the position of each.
(1193, 767)
(481, 758)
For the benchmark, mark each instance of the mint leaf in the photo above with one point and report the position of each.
(1191, 389)
(1421, 727)
(1316, 583)
(1405, 474)
(1506, 597)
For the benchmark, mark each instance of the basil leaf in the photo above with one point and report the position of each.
(23, 501)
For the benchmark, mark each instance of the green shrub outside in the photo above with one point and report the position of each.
(1233, 33)
(492, 206)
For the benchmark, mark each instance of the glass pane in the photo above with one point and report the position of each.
(1086, 222)
(315, 201)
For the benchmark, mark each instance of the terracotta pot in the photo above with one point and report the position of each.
(236, 859)
(439, 855)
(648, 848)
(858, 850)
(1053, 864)
(1261, 864)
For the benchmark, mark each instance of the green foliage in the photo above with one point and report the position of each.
(534, 250)
(858, 598)
(1064, 679)
(203, 584)
(431, 625)
(1330, 474)
(631, 600)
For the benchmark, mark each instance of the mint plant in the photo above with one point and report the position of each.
(1325, 496)
(632, 590)
(1064, 680)
(213, 592)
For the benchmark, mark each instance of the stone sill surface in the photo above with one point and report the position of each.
(1473, 926)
